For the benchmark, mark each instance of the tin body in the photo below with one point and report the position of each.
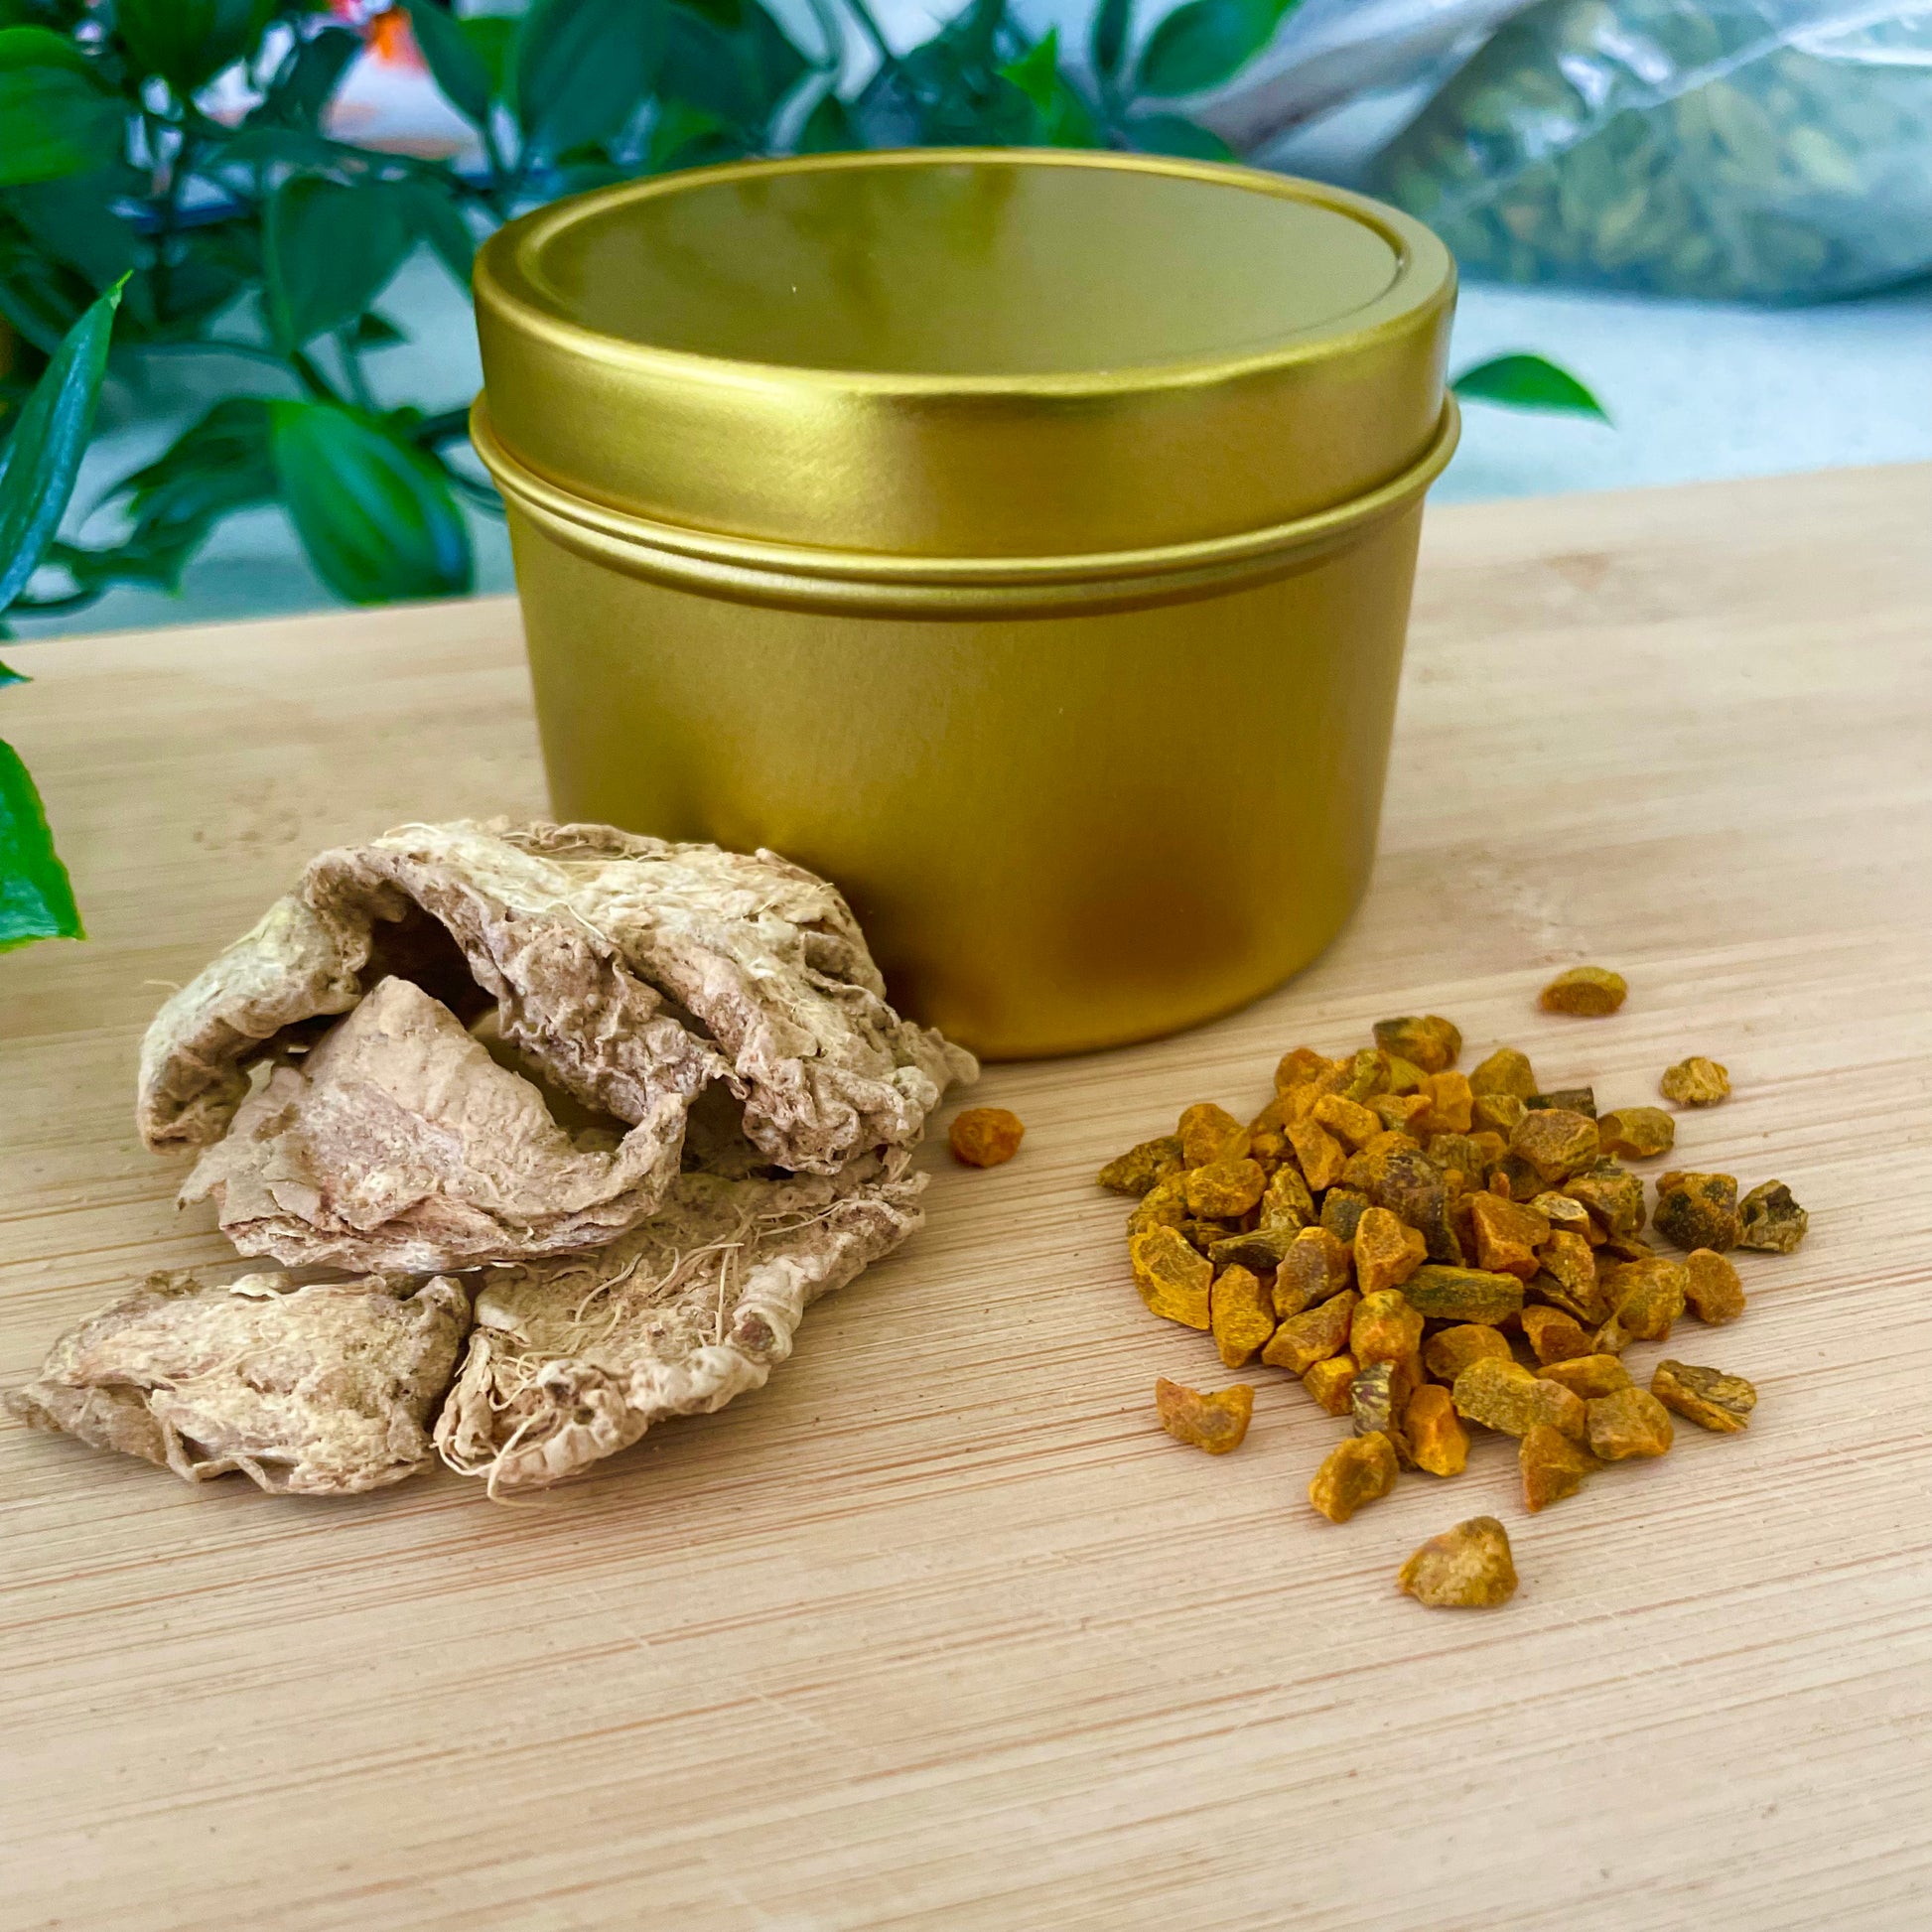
(1077, 677)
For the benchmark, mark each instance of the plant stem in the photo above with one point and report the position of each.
(311, 378)
(444, 427)
(358, 382)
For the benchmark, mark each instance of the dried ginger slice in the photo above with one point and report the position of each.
(572, 1361)
(323, 1390)
(628, 972)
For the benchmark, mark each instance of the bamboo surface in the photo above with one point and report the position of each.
(938, 1629)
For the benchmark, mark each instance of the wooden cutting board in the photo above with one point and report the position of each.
(938, 1629)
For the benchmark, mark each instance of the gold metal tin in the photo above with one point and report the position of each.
(1024, 539)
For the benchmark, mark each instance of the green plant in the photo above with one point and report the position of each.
(269, 240)
(41, 460)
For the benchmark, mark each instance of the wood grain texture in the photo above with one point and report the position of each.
(938, 1629)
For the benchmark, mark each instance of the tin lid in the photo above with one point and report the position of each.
(965, 354)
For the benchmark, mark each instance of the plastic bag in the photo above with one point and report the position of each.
(1767, 150)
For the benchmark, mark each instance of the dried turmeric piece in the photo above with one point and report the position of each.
(1769, 1221)
(1611, 1193)
(1439, 1444)
(1342, 1210)
(1368, 1075)
(1316, 1266)
(1641, 1133)
(1429, 1042)
(1712, 1287)
(1695, 1082)
(1447, 1354)
(1215, 1421)
(1588, 1375)
(1140, 1168)
(1172, 1279)
(1394, 1173)
(1241, 1312)
(1647, 1297)
(1504, 1395)
(1505, 1071)
(1698, 1210)
(1268, 1136)
(1565, 1213)
(1468, 1567)
(1576, 1100)
(1399, 1112)
(1553, 1335)
(1329, 1382)
(1163, 1206)
(1552, 1465)
(1515, 1179)
(1386, 1253)
(1555, 1142)
(1259, 1250)
(1312, 1335)
(1357, 1471)
(1449, 1103)
(1384, 1328)
(1587, 991)
(1376, 1398)
(1463, 1294)
(1348, 1120)
(1287, 1202)
(1209, 1133)
(1320, 1155)
(1630, 1421)
(1300, 1067)
(985, 1137)
(1224, 1190)
(1704, 1396)
(1496, 1113)
(1568, 1280)
(1508, 1235)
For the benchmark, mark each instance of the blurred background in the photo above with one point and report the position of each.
(1696, 239)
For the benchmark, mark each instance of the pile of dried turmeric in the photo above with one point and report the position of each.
(1430, 1250)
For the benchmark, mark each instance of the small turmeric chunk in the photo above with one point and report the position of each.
(1330, 1383)
(1348, 1120)
(1647, 1297)
(1312, 1335)
(1563, 1213)
(1357, 1471)
(1368, 1075)
(1588, 1375)
(1704, 1396)
(1568, 1280)
(1576, 1100)
(1317, 1266)
(1399, 1112)
(1448, 1355)
(1468, 1567)
(1450, 1104)
(1712, 1287)
(1376, 1399)
(1506, 1396)
(1553, 1335)
(1555, 1142)
(1463, 1294)
(1429, 1042)
(1320, 1155)
(1386, 1252)
(1342, 1210)
(1300, 1067)
(1769, 1221)
(1172, 1279)
(1505, 1071)
(1163, 1206)
(1384, 1328)
(1587, 991)
(1215, 1421)
(1496, 1113)
(1140, 1168)
(1241, 1311)
(985, 1137)
(1405, 1076)
(1287, 1202)
(1439, 1444)
(1259, 1250)
(1209, 1133)
(1552, 1465)
(1508, 1234)
(1223, 1189)
(1611, 1193)
(1698, 1210)
(1630, 1421)
(1695, 1082)
(1641, 1133)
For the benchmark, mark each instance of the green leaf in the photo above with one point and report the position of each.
(330, 251)
(1528, 382)
(308, 79)
(42, 455)
(492, 40)
(53, 119)
(71, 220)
(584, 68)
(36, 894)
(683, 136)
(828, 129)
(1036, 72)
(8, 675)
(434, 215)
(456, 64)
(741, 75)
(1205, 42)
(1176, 134)
(188, 41)
(1108, 46)
(373, 331)
(375, 515)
